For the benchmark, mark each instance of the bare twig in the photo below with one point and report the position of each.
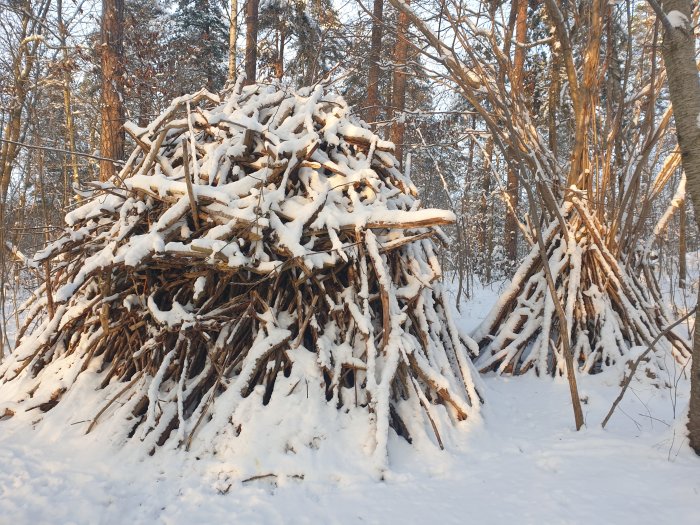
(636, 363)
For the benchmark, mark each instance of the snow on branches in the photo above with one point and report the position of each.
(259, 251)
(609, 311)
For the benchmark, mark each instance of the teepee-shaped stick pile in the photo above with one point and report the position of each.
(251, 247)
(608, 310)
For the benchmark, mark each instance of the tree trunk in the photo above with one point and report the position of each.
(684, 89)
(207, 36)
(398, 94)
(251, 41)
(111, 104)
(375, 53)
(67, 98)
(511, 219)
(279, 62)
(483, 235)
(232, 37)
(682, 248)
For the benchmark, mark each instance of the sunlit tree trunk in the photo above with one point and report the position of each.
(398, 94)
(375, 53)
(511, 220)
(251, 41)
(112, 103)
(684, 88)
(232, 37)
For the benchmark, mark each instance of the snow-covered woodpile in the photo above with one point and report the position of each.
(608, 310)
(261, 246)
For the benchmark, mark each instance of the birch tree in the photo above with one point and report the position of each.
(684, 87)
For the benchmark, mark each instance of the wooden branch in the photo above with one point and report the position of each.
(63, 151)
(188, 181)
(49, 291)
(564, 329)
(658, 10)
(635, 365)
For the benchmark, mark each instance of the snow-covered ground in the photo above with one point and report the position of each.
(523, 463)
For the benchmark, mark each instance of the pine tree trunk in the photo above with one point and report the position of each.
(279, 62)
(112, 109)
(511, 220)
(207, 36)
(251, 41)
(375, 53)
(684, 88)
(398, 95)
(232, 37)
(483, 235)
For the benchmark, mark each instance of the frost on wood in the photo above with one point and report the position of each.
(256, 249)
(609, 310)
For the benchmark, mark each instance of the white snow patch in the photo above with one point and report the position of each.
(524, 463)
(677, 19)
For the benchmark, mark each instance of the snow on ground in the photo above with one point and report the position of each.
(524, 463)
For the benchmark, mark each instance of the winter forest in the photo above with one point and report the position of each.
(386, 261)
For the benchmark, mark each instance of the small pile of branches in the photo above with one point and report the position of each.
(248, 241)
(608, 310)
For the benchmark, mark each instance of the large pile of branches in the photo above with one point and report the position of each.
(608, 310)
(257, 247)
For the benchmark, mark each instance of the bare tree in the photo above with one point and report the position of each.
(67, 94)
(29, 38)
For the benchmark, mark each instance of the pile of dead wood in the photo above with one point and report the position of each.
(607, 310)
(249, 244)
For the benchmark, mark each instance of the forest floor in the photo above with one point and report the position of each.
(522, 463)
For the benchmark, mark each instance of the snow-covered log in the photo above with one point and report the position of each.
(262, 250)
(609, 311)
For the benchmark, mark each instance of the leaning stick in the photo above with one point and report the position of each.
(628, 379)
(188, 181)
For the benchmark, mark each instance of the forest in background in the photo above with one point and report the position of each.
(51, 89)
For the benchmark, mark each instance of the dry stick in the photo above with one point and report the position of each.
(633, 370)
(111, 401)
(427, 411)
(190, 192)
(260, 476)
(47, 263)
(563, 325)
(49, 293)
(64, 151)
(300, 335)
